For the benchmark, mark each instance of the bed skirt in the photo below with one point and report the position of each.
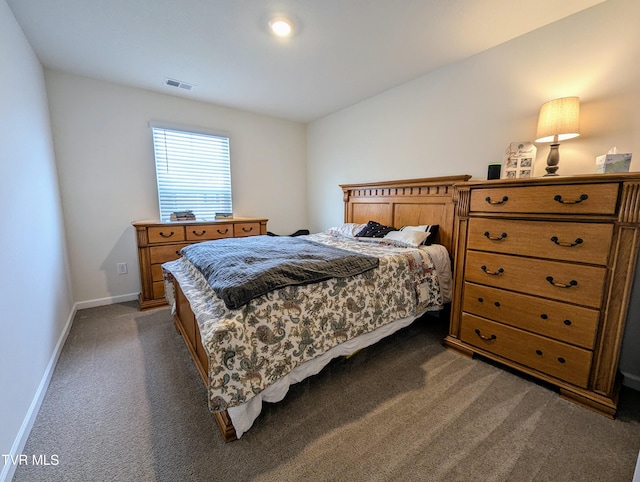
(244, 415)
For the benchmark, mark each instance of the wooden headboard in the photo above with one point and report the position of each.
(408, 202)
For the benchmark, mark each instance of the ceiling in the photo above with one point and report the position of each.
(342, 51)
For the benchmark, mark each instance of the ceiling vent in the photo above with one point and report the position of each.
(177, 83)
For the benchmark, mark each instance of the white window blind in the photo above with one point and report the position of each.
(193, 171)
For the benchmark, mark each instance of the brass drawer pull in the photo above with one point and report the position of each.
(199, 234)
(487, 338)
(562, 285)
(493, 273)
(166, 235)
(504, 200)
(558, 198)
(223, 232)
(565, 244)
(247, 230)
(495, 238)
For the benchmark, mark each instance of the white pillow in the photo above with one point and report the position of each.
(430, 229)
(346, 229)
(408, 237)
(423, 227)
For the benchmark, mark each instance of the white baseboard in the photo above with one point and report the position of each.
(25, 429)
(110, 300)
(6, 474)
(631, 381)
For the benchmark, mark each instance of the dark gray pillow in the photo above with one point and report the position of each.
(374, 230)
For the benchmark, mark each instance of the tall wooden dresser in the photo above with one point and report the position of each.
(543, 276)
(161, 242)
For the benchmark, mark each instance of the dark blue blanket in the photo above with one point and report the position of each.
(241, 269)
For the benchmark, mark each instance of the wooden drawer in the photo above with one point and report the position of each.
(241, 230)
(165, 234)
(159, 243)
(208, 232)
(162, 254)
(583, 242)
(564, 322)
(557, 359)
(158, 290)
(573, 283)
(560, 199)
(156, 272)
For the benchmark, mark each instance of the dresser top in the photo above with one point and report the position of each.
(577, 179)
(198, 221)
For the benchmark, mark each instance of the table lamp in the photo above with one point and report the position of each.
(559, 120)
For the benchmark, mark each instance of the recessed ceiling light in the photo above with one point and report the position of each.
(281, 26)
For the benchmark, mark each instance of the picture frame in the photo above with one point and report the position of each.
(519, 160)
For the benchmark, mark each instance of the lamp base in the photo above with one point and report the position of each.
(553, 159)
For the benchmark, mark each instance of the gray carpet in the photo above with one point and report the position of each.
(126, 404)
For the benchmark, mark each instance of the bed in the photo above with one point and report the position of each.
(249, 348)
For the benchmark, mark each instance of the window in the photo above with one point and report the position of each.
(193, 171)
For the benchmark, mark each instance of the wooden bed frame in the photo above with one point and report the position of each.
(392, 203)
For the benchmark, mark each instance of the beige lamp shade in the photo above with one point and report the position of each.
(559, 117)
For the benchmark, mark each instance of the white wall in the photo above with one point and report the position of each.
(462, 117)
(105, 163)
(456, 120)
(35, 292)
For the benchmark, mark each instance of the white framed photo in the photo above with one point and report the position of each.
(519, 159)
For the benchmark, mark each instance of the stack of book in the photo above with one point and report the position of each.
(183, 216)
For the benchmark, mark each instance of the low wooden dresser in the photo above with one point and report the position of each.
(543, 276)
(161, 242)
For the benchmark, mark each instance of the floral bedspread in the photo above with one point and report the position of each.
(254, 346)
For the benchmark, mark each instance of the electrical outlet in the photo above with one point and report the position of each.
(122, 268)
